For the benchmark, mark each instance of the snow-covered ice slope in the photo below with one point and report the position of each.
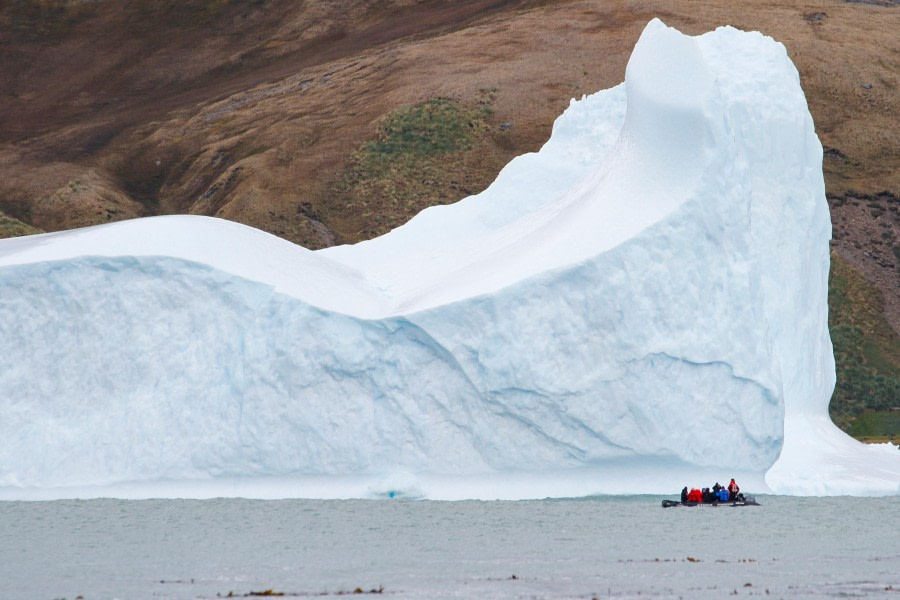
(639, 306)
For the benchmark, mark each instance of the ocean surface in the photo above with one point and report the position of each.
(600, 547)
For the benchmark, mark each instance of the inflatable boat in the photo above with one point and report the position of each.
(746, 501)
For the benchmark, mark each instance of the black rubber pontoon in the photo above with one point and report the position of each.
(747, 501)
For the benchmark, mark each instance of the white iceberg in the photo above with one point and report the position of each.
(639, 306)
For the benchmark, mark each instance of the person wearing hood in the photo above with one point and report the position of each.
(722, 495)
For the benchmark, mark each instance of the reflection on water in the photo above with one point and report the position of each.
(619, 547)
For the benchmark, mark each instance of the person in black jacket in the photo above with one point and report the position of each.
(684, 495)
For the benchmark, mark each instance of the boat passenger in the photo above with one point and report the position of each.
(708, 496)
(695, 495)
(716, 488)
(733, 489)
(722, 494)
(684, 494)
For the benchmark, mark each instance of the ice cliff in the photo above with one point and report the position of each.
(639, 306)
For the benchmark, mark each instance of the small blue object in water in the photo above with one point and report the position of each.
(391, 494)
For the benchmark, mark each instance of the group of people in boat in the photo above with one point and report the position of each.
(718, 493)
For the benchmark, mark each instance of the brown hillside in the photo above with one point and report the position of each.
(259, 110)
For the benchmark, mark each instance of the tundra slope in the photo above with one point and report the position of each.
(641, 302)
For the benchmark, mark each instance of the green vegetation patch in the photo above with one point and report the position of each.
(866, 350)
(10, 227)
(415, 161)
(881, 426)
(414, 133)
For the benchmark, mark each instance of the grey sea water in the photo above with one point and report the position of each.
(619, 547)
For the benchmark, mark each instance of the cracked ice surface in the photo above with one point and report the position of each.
(638, 306)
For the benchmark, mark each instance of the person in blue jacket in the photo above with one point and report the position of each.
(722, 495)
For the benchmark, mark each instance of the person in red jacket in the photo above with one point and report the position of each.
(695, 495)
(733, 490)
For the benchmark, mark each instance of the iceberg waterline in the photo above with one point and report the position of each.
(638, 306)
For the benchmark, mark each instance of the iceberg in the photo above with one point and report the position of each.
(638, 306)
